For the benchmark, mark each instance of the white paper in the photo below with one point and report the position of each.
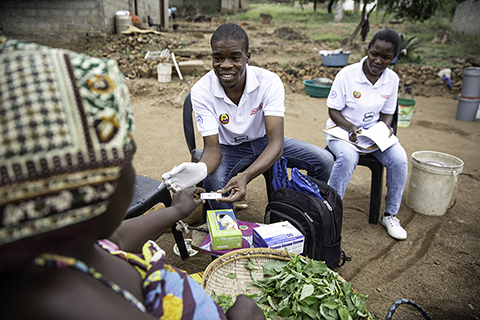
(376, 134)
(379, 133)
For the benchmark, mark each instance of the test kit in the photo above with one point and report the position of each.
(210, 195)
(223, 229)
(279, 235)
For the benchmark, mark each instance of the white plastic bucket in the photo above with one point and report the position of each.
(122, 22)
(164, 72)
(433, 182)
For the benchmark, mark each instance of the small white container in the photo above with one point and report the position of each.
(164, 72)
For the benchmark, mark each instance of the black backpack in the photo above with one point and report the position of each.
(319, 220)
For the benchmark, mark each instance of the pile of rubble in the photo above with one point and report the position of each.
(425, 80)
(130, 50)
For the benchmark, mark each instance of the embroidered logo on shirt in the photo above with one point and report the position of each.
(357, 95)
(367, 117)
(241, 138)
(255, 110)
(333, 94)
(385, 96)
(224, 118)
(199, 120)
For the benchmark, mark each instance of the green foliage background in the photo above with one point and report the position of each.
(318, 25)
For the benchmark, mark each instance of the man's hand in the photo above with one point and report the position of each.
(185, 175)
(237, 186)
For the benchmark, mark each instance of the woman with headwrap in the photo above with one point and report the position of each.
(66, 181)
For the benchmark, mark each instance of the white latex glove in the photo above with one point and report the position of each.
(185, 175)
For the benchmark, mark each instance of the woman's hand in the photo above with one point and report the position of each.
(245, 308)
(186, 200)
(352, 133)
(391, 131)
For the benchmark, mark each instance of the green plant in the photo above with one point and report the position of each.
(318, 26)
(407, 45)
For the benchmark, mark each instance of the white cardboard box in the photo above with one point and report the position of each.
(279, 235)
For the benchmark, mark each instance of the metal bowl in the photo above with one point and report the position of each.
(322, 82)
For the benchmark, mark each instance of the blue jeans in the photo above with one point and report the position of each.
(394, 159)
(315, 160)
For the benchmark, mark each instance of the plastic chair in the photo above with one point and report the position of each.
(188, 130)
(145, 197)
(151, 24)
(376, 184)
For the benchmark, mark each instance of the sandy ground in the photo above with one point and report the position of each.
(438, 266)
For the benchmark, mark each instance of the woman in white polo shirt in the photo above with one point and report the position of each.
(363, 94)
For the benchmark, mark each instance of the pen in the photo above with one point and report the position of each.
(161, 184)
(359, 130)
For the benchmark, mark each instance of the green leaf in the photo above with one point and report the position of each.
(309, 300)
(250, 265)
(231, 275)
(306, 291)
(287, 278)
(343, 313)
(270, 302)
(311, 313)
(330, 304)
(273, 267)
(284, 312)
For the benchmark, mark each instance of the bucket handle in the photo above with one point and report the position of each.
(454, 194)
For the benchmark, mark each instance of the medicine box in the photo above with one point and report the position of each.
(224, 230)
(279, 235)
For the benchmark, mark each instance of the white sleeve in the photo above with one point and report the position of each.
(391, 104)
(205, 117)
(337, 97)
(275, 104)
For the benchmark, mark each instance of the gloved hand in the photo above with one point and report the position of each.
(185, 175)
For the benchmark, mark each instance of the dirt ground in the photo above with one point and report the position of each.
(438, 266)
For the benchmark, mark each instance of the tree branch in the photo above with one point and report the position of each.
(360, 25)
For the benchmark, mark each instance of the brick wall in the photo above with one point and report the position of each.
(67, 23)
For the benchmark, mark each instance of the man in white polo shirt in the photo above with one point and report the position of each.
(239, 111)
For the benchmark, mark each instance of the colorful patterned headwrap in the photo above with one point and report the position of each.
(66, 126)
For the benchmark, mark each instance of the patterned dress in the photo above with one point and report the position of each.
(169, 294)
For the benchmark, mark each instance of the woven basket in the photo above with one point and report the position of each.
(215, 277)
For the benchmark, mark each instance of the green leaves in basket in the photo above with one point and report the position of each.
(250, 266)
(306, 289)
(231, 275)
(223, 300)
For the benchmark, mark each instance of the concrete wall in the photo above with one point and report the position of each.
(193, 3)
(49, 21)
(68, 23)
(466, 19)
(224, 6)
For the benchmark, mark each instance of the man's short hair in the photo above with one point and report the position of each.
(230, 31)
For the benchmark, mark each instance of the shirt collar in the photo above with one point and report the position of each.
(361, 77)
